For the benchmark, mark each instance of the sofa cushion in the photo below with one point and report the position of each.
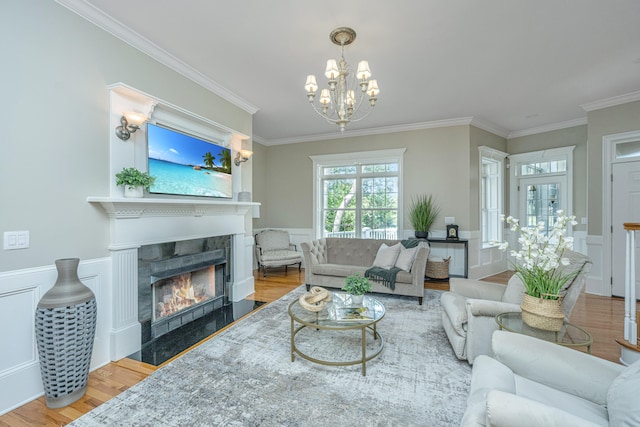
(514, 293)
(387, 256)
(338, 270)
(622, 397)
(281, 255)
(406, 258)
(559, 399)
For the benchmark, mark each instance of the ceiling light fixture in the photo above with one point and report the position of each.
(338, 103)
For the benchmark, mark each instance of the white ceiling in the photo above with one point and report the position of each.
(515, 66)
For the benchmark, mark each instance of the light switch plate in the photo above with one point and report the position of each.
(16, 240)
(449, 220)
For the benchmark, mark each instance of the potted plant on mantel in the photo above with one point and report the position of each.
(134, 181)
(423, 212)
(356, 286)
(539, 264)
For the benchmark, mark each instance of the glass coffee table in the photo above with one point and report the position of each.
(570, 335)
(339, 315)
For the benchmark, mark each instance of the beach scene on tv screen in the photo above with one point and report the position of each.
(188, 166)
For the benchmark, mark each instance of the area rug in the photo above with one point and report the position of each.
(245, 377)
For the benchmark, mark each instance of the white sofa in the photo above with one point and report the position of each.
(529, 382)
(328, 261)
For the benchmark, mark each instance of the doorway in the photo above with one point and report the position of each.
(625, 207)
(541, 183)
(621, 203)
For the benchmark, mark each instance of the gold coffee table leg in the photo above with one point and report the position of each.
(364, 351)
(293, 355)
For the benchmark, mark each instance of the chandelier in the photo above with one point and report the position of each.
(338, 103)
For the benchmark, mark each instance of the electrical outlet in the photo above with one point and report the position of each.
(16, 240)
(449, 220)
(584, 220)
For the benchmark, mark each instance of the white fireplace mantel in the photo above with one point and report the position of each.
(134, 222)
(142, 221)
(139, 207)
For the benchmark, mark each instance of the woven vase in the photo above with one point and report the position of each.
(65, 330)
(542, 313)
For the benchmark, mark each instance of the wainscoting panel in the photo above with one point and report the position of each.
(596, 282)
(19, 337)
(20, 291)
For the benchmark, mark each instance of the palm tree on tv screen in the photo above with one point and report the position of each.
(208, 159)
(225, 161)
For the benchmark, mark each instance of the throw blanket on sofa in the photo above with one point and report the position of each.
(382, 275)
(388, 277)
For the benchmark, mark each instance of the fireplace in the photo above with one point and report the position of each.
(179, 282)
(183, 292)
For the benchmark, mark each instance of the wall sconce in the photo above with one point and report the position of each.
(242, 156)
(129, 123)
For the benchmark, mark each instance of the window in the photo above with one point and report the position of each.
(358, 194)
(491, 178)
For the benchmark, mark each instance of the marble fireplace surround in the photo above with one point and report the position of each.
(137, 222)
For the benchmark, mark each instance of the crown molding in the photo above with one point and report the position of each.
(462, 121)
(611, 102)
(124, 33)
(489, 127)
(548, 128)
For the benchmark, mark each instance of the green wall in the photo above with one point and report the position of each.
(55, 140)
(607, 121)
(436, 161)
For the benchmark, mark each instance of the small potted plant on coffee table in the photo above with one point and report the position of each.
(134, 181)
(356, 286)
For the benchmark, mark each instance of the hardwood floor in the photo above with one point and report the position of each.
(602, 317)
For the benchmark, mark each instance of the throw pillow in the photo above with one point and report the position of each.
(406, 258)
(386, 256)
(622, 397)
(515, 290)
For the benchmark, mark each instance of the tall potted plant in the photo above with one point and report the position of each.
(540, 265)
(423, 212)
(134, 181)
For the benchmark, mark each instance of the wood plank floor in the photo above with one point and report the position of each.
(602, 317)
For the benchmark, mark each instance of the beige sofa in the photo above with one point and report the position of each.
(328, 261)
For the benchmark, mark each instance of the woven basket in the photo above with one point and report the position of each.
(437, 268)
(545, 314)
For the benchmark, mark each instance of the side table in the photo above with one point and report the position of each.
(570, 335)
(463, 242)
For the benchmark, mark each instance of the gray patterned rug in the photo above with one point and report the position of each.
(245, 377)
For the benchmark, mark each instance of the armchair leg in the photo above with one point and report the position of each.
(419, 300)
(308, 287)
(299, 267)
(264, 271)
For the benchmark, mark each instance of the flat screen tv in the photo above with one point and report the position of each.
(187, 166)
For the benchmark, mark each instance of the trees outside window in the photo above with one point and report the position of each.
(358, 198)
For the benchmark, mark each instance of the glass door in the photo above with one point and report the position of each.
(540, 200)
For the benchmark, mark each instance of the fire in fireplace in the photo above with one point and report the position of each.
(182, 291)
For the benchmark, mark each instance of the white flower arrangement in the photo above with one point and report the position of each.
(539, 260)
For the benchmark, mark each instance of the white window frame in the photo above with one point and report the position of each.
(356, 158)
(516, 160)
(488, 154)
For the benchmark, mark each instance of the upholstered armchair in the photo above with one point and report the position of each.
(529, 382)
(470, 307)
(274, 249)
